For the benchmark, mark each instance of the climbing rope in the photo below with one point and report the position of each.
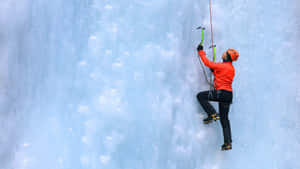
(204, 72)
(211, 27)
(213, 49)
(212, 44)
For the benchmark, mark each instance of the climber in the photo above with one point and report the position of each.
(223, 76)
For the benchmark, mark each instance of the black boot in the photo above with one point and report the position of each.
(210, 118)
(226, 146)
(216, 116)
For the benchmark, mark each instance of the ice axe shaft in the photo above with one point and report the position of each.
(202, 30)
(215, 52)
(202, 40)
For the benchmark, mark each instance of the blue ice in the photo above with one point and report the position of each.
(111, 84)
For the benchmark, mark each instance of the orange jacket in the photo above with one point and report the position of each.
(223, 72)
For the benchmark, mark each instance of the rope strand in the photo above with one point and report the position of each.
(211, 27)
(212, 41)
(204, 72)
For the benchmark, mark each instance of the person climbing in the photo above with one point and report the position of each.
(223, 77)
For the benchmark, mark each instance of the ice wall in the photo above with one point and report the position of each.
(111, 84)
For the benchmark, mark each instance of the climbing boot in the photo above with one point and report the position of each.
(215, 116)
(226, 146)
(210, 118)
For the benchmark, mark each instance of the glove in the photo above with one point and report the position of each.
(200, 47)
(212, 70)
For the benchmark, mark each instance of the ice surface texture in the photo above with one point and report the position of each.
(111, 84)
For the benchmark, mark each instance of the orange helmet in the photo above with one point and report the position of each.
(234, 55)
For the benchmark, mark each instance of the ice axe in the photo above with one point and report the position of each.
(202, 30)
(201, 43)
(202, 40)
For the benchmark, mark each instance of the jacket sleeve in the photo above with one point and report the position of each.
(208, 63)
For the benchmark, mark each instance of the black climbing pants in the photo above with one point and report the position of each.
(224, 98)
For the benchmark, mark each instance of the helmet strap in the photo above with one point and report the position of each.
(228, 58)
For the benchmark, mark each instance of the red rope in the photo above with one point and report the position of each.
(211, 28)
(212, 42)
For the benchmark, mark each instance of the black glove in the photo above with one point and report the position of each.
(200, 47)
(212, 70)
